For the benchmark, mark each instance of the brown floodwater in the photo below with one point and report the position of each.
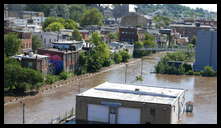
(201, 90)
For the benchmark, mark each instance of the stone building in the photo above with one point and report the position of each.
(206, 50)
(134, 19)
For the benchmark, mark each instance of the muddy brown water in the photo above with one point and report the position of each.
(201, 90)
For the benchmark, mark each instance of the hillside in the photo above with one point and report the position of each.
(175, 11)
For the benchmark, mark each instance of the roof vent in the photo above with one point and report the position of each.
(136, 89)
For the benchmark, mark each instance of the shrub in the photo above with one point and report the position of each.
(190, 72)
(139, 78)
(117, 58)
(208, 71)
(64, 75)
(51, 79)
(125, 56)
(187, 67)
(107, 62)
(197, 73)
(181, 70)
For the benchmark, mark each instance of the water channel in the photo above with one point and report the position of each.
(201, 90)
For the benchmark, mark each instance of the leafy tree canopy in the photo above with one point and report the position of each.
(11, 44)
(55, 26)
(92, 17)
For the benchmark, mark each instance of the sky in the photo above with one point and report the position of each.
(209, 7)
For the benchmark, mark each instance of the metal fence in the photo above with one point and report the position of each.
(63, 117)
(167, 49)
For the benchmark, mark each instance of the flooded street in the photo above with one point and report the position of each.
(201, 90)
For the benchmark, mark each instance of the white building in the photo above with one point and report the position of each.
(47, 38)
(38, 20)
(130, 104)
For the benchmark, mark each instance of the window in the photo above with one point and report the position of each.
(152, 112)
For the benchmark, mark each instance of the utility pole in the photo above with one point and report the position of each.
(79, 86)
(125, 74)
(141, 66)
(23, 112)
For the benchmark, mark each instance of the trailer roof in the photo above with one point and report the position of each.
(136, 93)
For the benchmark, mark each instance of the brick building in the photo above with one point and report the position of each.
(60, 60)
(131, 34)
(34, 61)
(188, 30)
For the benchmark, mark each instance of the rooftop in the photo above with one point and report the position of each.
(30, 56)
(189, 25)
(59, 51)
(67, 42)
(127, 92)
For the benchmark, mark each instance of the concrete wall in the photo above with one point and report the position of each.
(206, 50)
(162, 112)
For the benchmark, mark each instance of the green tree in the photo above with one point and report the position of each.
(11, 44)
(193, 40)
(149, 37)
(70, 24)
(149, 43)
(125, 55)
(76, 35)
(208, 71)
(55, 26)
(76, 11)
(117, 58)
(63, 11)
(95, 38)
(50, 20)
(36, 42)
(21, 81)
(92, 17)
(113, 36)
(161, 21)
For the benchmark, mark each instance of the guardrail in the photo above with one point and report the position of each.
(167, 49)
(64, 117)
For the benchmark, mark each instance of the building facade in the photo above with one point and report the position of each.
(134, 19)
(129, 104)
(131, 34)
(60, 60)
(34, 61)
(206, 50)
(188, 30)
